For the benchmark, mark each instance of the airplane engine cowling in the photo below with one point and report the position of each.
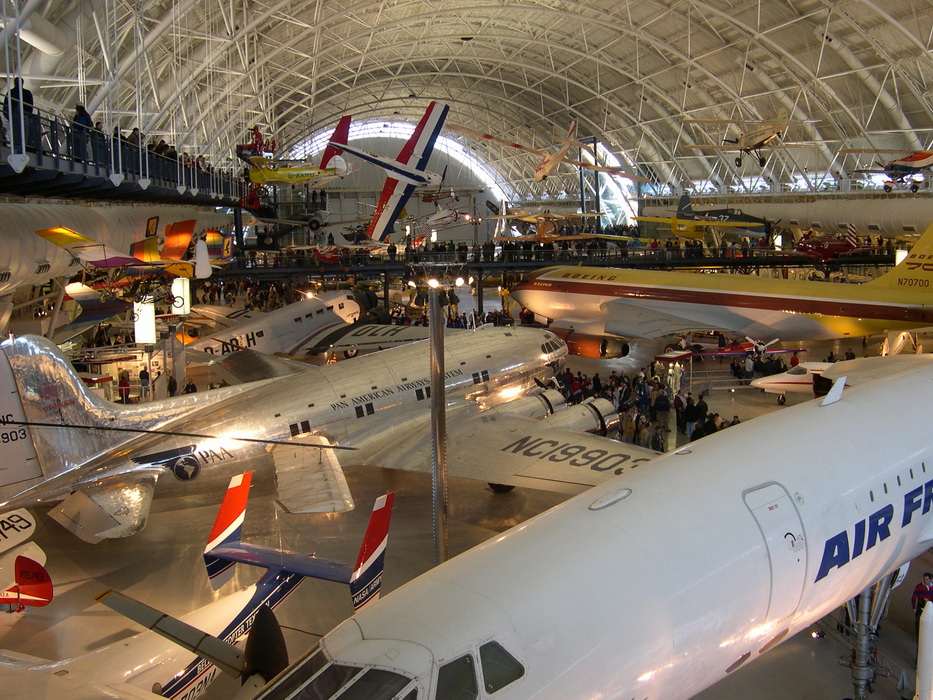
(535, 405)
(597, 347)
(596, 416)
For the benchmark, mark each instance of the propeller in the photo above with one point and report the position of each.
(759, 346)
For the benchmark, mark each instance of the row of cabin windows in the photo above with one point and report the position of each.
(910, 472)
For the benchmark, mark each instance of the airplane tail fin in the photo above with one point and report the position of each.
(366, 582)
(684, 207)
(225, 548)
(340, 136)
(782, 115)
(913, 272)
(33, 586)
(40, 391)
(228, 528)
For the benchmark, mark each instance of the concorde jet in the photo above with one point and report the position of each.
(101, 463)
(597, 310)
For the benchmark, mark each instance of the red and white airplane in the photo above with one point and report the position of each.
(406, 172)
(900, 170)
(549, 159)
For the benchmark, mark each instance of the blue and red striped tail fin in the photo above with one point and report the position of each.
(341, 135)
(366, 581)
(228, 528)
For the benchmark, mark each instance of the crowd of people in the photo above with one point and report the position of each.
(645, 403)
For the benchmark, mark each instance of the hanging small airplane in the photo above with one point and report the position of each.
(550, 159)
(762, 135)
(405, 173)
(101, 462)
(545, 222)
(168, 660)
(603, 307)
(691, 224)
(772, 546)
(826, 248)
(264, 172)
(901, 170)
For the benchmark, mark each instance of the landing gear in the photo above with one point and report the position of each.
(888, 186)
(762, 161)
(738, 161)
(781, 399)
(914, 187)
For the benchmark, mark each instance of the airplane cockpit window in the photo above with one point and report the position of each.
(797, 370)
(328, 682)
(376, 684)
(457, 680)
(499, 667)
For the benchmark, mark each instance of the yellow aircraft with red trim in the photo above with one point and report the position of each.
(597, 310)
(265, 171)
(545, 224)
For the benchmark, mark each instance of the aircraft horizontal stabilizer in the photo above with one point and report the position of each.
(310, 481)
(226, 657)
(113, 509)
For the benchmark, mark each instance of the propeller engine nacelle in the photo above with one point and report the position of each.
(597, 347)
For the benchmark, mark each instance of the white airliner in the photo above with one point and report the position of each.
(102, 462)
(659, 583)
(149, 666)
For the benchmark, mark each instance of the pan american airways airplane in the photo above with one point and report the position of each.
(597, 309)
(769, 546)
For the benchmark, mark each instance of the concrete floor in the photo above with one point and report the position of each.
(162, 566)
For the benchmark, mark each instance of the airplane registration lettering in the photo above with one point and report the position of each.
(15, 522)
(908, 282)
(578, 455)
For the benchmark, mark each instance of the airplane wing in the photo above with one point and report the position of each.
(220, 316)
(605, 169)
(495, 139)
(115, 507)
(391, 202)
(243, 366)
(693, 223)
(85, 249)
(626, 319)
(502, 448)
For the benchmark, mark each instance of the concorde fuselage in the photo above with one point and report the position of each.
(660, 582)
(795, 310)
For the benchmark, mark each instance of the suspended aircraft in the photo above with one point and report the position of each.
(826, 248)
(688, 223)
(549, 159)
(546, 222)
(900, 170)
(102, 462)
(608, 306)
(148, 663)
(760, 135)
(405, 173)
(264, 172)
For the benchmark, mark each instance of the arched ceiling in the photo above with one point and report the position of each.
(200, 73)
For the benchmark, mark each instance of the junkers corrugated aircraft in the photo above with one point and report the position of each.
(103, 462)
(597, 309)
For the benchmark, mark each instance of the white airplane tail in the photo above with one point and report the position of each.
(40, 392)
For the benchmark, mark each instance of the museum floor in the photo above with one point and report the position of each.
(162, 566)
